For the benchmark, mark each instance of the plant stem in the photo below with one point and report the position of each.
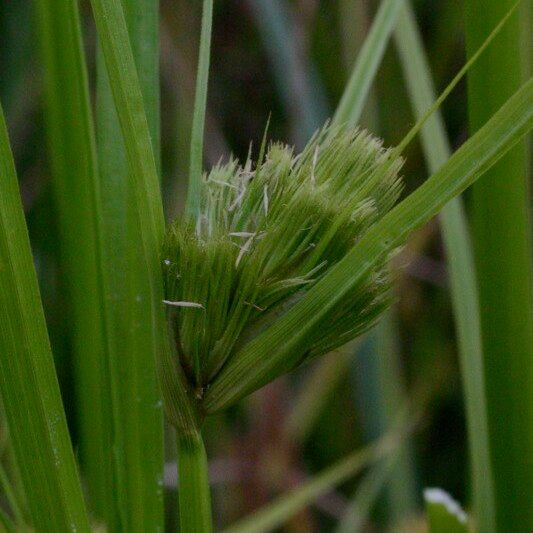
(367, 64)
(503, 260)
(193, 492)
(197, 136)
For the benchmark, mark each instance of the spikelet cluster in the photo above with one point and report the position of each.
(265, 235)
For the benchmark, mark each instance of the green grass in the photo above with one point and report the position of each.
(198, 122)
(351, 105)
(137, 414)
(30, 391)
(461, 267)
(173, 317)
(71, 145)
(280, 510)
(502, 245)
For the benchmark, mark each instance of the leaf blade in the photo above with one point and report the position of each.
(137, 405)
(461, 267)
(127, 95)
(28, 382)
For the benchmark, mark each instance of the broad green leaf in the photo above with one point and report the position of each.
(501, 229)
(444, 514)
(128, 99)
(28, 383)
(269, 355)
(70, 137)
(138, 409)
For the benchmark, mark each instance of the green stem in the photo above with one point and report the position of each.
(194, 495)
(368, 61)
(197, 136)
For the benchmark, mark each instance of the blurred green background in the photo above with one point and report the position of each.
(289, 60)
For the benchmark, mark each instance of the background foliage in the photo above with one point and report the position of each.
(290, 60)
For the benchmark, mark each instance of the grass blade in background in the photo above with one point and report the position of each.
(192, 205)
(383, 387)
(30, 391)
(368, 60)
(380, 382)
(6, 523)
(314, 393)
(503, 260)
(138, 410)
(251, 368)
(461, 268)
(279, 511)
(12, 497)
(366, 495)
(70, 136)
(296, 78)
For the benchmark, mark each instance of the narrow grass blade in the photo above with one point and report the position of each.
(496, 30)
(28, 383)
(379, 379)
(367, 493)
(198, 122)
(279, 511)
(315, 391)
(502, 245)
(269, 354)
(381, 355)
(368, 61)
(148, 209)
(296, 80)
(461, 269)
(137, 405)
(70, 136)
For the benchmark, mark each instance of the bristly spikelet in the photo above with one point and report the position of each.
(265, 235)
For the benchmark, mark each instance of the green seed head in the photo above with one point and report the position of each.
(264, 236)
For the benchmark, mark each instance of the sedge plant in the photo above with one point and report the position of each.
(274, 263)
(272, 270)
